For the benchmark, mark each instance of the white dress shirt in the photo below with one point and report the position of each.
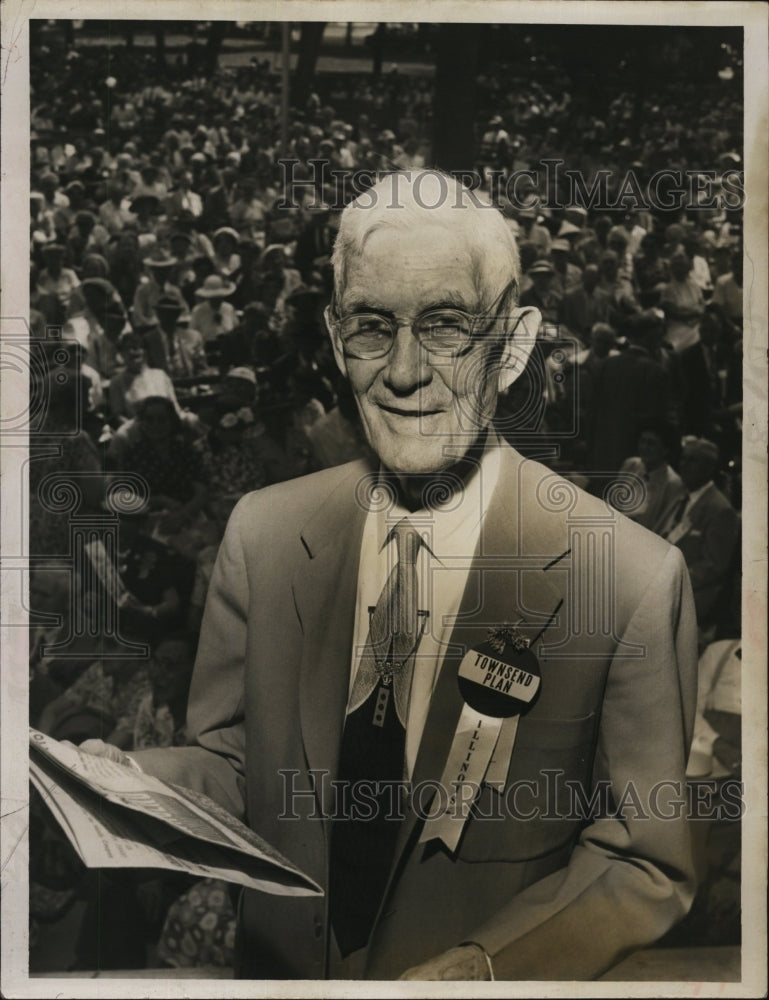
(450, 536)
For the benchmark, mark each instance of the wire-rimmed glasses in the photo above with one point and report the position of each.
(445, 332)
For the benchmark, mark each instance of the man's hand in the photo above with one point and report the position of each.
(466, 962)
(101, 749)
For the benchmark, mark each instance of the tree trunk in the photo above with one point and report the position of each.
(309, 49)
(456, 68)
(160, 47)
(214, 41)
(377, 46)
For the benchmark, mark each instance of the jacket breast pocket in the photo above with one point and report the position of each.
(541, 805)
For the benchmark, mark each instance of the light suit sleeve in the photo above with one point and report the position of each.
(214, 761)
(631, 875)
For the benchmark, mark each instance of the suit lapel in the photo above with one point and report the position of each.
(325, 591)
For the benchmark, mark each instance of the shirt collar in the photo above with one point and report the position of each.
(446, 529)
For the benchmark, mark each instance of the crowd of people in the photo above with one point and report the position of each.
(176, 303)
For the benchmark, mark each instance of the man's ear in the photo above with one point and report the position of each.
(521, 337)
(336, 343)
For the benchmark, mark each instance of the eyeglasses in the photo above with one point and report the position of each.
(446, 333)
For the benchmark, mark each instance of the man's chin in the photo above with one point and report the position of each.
(422, 455)
(405, 462)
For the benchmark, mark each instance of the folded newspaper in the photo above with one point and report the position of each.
(117, 817)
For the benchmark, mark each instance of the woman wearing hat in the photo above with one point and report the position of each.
(156, 282)
(226, 260)
(178, 347)
(137, 381)
(146, 207)
(233, 464)
(55, 279)
(184, 198)
(213, 316)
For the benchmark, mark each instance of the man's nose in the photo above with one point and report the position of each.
(407, 367)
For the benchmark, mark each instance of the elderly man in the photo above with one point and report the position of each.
(419, 619)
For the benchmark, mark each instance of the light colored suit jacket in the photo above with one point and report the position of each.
(546, 897)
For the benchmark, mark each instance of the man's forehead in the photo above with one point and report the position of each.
(416, 298)
(419, 268)
(426, 240)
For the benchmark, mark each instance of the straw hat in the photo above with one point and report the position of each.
(215, 287)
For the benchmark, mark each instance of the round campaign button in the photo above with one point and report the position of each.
(499, 684)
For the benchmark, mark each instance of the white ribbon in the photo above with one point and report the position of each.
(496, 772)
(482, 746)
(471, 750)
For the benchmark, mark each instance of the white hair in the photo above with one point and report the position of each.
(409, 198)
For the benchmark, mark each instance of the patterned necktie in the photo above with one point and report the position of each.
(372, 753)
(393, 629)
